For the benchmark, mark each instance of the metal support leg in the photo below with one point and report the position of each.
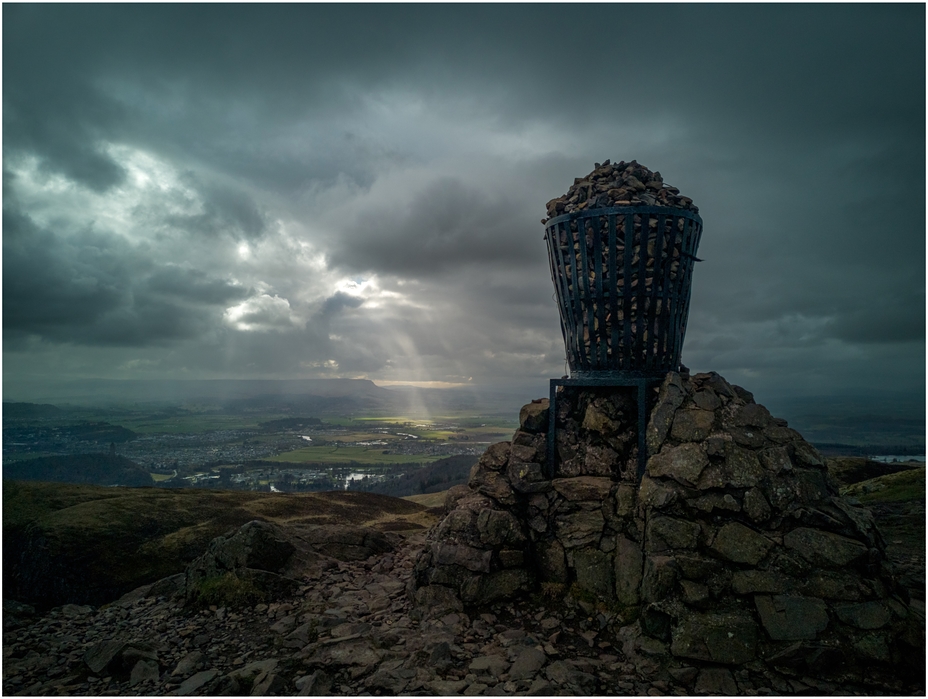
(642, 427)
(552, 422)
(641, 383)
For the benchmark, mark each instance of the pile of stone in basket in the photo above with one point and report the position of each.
(631, 276)
(621, 184)
(735, 552)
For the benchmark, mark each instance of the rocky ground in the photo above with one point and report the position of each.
(351, 630)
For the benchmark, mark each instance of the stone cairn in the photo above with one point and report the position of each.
(734, 553)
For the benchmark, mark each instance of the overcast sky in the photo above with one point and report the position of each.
(223, 191)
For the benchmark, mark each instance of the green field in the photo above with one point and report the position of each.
(191, 424)
(175, 422)
(477, 428)
(344, 455)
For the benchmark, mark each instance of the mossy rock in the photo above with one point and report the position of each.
(228, 590)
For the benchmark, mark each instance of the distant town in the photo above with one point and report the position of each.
(293, 454)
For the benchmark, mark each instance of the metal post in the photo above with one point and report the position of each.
(605, 380)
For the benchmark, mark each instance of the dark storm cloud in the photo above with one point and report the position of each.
(445, 224)
(94, 288)
(225, 211)
(885, 319)
(51, 110)
(48, 284)
(193, 286)
(338, 301)
(783, 64)
(417, 145)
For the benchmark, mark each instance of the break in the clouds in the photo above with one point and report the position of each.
(346, 190)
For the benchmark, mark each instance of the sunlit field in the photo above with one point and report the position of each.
(344, 455)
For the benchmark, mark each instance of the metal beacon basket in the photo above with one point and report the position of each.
(622, 277)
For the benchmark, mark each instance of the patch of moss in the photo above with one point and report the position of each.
(895, 487)
(613, 607)
(848, 470)
(227, 590)
(551, 592)
(245, 685)
(582, 595)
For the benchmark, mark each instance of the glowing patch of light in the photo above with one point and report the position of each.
(421, 384)
(262, 312)
(356, 287)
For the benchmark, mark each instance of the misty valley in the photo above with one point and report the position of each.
(323, 435)
(267, 450)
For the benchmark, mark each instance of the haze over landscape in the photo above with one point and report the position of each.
(300, 191)
(279, 325)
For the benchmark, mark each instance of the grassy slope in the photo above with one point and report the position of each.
(428, 500)
(897, 501)
(901, 486)
(89, 544)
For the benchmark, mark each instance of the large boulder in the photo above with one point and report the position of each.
(258, 545)
(262, 561)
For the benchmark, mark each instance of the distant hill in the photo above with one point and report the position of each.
(104, 391)
(298, 396)
(91, 469)
(847, 470)
(876, 423)
(290, 423)
(100, 432)
(30, 411)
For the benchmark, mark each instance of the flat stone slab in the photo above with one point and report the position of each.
(820, 547)
(684, 463)
(580, 528)
(728, 639)
(792, 618)
(672, 533)
(144, 670)
(489, 664)
(527, 664)
(192, 684)
(444, 688)
(741, 544)
(100, 655)
(867, 615)
(581, 488)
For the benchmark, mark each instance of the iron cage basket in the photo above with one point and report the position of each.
(622, 278)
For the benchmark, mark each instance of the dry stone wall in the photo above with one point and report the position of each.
(735, 552)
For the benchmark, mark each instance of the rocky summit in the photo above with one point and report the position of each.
(733, 567)
(734, 561)
(348, 628)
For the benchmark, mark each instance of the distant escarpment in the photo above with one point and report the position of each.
(90, 469)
